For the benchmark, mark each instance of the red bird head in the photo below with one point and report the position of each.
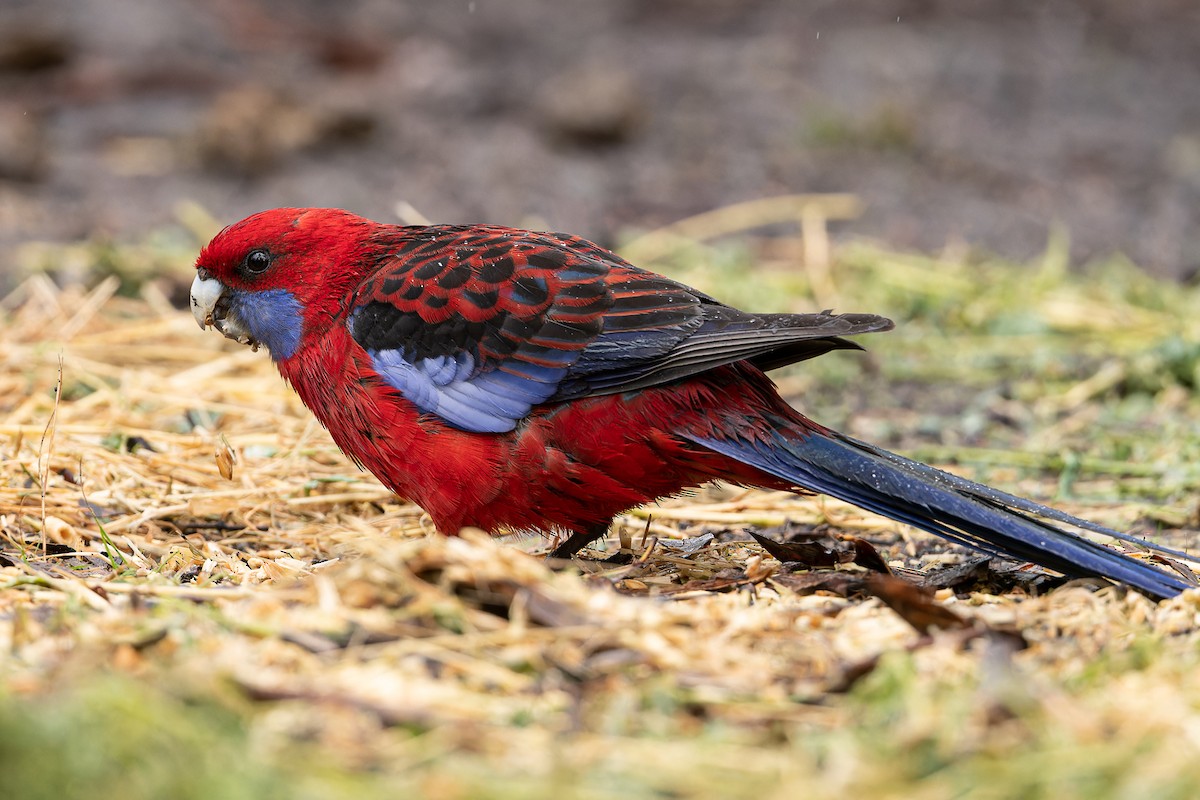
(280, 274)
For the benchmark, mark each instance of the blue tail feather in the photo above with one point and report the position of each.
(954, 508)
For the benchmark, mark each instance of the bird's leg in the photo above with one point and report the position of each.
(579, 540)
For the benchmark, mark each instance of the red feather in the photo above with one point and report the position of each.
(506, 379)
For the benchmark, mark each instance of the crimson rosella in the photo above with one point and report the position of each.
(512, 380)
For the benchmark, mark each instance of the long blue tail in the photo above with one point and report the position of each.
(960, 510)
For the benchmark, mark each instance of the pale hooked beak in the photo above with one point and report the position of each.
(210, 306)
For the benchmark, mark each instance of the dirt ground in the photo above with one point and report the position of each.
(200, 596)
(955, 122)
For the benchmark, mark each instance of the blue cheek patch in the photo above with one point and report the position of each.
(272, 317)
(488, 402)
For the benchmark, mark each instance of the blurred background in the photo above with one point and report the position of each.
(1018, 186)
(984, 122)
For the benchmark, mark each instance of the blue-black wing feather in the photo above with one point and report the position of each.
(479, 324)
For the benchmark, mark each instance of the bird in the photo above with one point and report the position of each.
(513, 380)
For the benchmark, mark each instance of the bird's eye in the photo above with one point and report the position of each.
(257, 261)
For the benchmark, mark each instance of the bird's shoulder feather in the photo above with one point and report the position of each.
(479, 324)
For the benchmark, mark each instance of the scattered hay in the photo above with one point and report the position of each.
(173, 517)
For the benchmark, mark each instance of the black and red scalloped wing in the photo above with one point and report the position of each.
(478, 324)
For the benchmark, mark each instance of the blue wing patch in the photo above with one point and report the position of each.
(450, 387)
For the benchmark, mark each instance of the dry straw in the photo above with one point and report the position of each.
(168, 509)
